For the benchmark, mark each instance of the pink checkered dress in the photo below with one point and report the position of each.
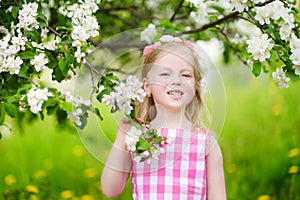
(179, 173)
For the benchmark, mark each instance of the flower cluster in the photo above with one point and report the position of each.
(280, 78)
(10, 45)
(278, 13)
(85, 25)
(125, 94)
(295, 56)
(27, 16)
(36, 98)
(165, 39)
(141, 140)
(144, 142)
(239, 5)
(200, 16)
(80, 108)
(260, 47)
(39, 62)
(148, 34)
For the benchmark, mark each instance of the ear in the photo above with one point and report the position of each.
(146, 87)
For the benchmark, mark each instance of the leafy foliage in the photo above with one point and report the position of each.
(58, 36)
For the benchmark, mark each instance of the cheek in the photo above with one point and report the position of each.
(157, 88)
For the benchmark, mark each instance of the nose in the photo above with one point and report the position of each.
(176, 80)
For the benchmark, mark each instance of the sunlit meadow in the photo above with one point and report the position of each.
(260, 143)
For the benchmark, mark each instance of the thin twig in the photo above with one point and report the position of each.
(54, 31)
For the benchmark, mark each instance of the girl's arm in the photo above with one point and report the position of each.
(118, 165)
(216, 189)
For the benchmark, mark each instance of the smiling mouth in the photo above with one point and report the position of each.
(175, 93)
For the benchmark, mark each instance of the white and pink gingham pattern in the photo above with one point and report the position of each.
(179, 173)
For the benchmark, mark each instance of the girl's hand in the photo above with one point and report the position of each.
(123, 128)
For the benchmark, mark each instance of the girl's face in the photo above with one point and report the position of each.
(171, 82)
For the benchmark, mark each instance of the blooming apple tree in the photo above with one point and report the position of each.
(58, 36)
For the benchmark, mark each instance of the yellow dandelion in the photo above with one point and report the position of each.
(277, 110)
(10, 179)
(87, 197)
(231, 168)
(34, 197)
(264, 197)
(90, 172)
(78, 151)
(39, 174)
(32, 189)
(66, 194)
(293, 169)
(294, 152)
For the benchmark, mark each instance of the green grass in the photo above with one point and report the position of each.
(262, 125)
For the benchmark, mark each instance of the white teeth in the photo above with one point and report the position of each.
(175, 93)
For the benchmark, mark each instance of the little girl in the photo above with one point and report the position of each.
(191, 166)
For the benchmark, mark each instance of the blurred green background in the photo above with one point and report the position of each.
(259, 140)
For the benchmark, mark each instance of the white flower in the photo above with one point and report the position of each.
(169, 38)
(36, 98)
(263, 15)
(200, 17)
(131, 137)
(109, 100)
(239, 5)
(294, 43)
(297, 69)
(75, 116)
(148, 34)
(79, 55)
(19, 41)
(39, 62)
(295, 57)
(136, 90)
(13, 64)
(260, 47)
(27, 16)
(280, 78)
(285, 31)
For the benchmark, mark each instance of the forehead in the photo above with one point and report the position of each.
(172, 61)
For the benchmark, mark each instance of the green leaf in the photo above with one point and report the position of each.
(103, 92)
(2, 114)
(67, 106)
(61, 115)
(10, 109)
(23, 72)
(274, 56)
(257, 68)
(14, 12)
(27, 55)
(51, 110)
(97, 112)
(41, 16)
(62, 64)
(149, 134)
(57, 75)
(142, 145)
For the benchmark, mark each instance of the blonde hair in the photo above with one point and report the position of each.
(146, 110)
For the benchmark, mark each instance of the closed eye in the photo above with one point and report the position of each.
(187, 75)
(164, 74)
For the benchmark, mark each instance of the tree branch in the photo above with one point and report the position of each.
(176, 10)
(213, 24)
(223, 19)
